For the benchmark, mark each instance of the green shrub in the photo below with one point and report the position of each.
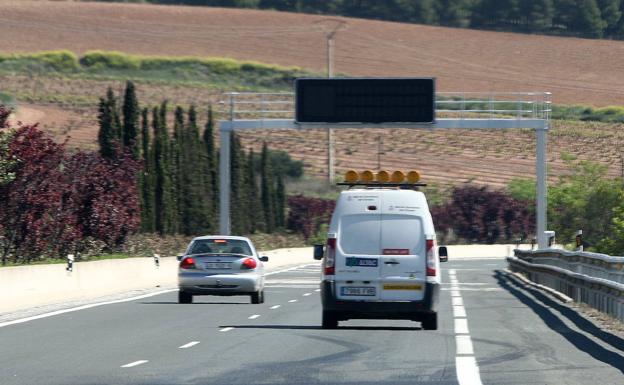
(58, 60)
(110, 60)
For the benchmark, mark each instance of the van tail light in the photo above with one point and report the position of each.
(249, 264)
(188, 263)
(431, 262)
(330, 258)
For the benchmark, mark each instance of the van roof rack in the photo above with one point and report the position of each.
(382, 184)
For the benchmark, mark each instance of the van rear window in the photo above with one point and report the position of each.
(360, 234)
(402, 232)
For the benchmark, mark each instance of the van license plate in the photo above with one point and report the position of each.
(358, 290)
(218, 265)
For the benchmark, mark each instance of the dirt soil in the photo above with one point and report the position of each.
(575, 70)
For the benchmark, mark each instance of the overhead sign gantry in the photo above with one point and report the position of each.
(340, 103)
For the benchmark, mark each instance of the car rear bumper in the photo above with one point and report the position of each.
(413, 310)
(197, 283)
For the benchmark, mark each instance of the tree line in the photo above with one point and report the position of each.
(178, 184)
(586, 18)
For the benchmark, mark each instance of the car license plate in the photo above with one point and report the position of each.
(218, 265)
(402, 287)
(358, 290)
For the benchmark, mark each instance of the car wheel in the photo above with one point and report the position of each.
(185, 297)
(330, 320)
(430, 322)
(256, 297)
(262, 296)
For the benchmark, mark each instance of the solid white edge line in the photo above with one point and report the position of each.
(457, 301)
(83, 307)
(455, 293)
(92, 305)
(226, 329)
(190, 344)
(275, 307)
(464, 345)
(254, 316)
(467, 371)
(133, 364)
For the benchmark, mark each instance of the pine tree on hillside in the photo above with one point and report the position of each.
(147, 178)
(130, 119)
(266, 190)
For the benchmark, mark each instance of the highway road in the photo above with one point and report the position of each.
(493, 330)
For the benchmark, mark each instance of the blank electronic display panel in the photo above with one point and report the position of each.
(365, 100)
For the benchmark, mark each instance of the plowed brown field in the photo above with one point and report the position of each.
(575, 70)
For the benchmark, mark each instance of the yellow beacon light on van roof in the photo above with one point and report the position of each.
(383, 176)
(351, 176)
(397, 177)
(413, 176)
(367, 176)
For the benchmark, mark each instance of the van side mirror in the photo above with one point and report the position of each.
(319, 251)
(443, 253)
(179, 257)
(264, 259)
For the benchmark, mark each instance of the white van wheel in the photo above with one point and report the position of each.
(330, 321)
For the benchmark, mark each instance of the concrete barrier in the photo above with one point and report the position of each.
(24, 287)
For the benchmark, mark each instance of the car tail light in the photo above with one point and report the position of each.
(431, 262)
(249, 263)
(330, 259)
(188, 263)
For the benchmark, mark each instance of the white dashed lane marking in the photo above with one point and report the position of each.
(292, 300)
(226, 329)
(307, 294)
(135, 363)
(254, 316)
(275, 307)
(190, 344)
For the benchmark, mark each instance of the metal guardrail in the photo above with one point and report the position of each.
(493, 105)
(593, 279)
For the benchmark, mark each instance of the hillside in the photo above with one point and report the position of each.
(575, 70)
(461, 59)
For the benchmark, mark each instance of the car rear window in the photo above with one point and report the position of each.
(220, 246)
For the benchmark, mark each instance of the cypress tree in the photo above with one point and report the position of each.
(280, 202)
(130, 119)
(159, 173)
(253, 204)
(146, 180)
(106, 135)
(236, 188)
(212, 183)
(266, 190)
(176, 169)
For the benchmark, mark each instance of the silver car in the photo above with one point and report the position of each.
(221, 265)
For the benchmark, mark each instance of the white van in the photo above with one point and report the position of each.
(380, 261)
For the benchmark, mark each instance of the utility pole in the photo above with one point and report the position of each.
(330, 27)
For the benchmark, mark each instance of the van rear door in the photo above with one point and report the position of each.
(403, 248)
(357, 254)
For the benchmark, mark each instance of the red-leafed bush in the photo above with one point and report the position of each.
(51, 202)
(479, 215)
(306, 215)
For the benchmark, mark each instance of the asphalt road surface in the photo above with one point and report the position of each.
(492, 330)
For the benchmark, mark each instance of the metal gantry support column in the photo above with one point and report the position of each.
(224, 180)
(542, 192)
